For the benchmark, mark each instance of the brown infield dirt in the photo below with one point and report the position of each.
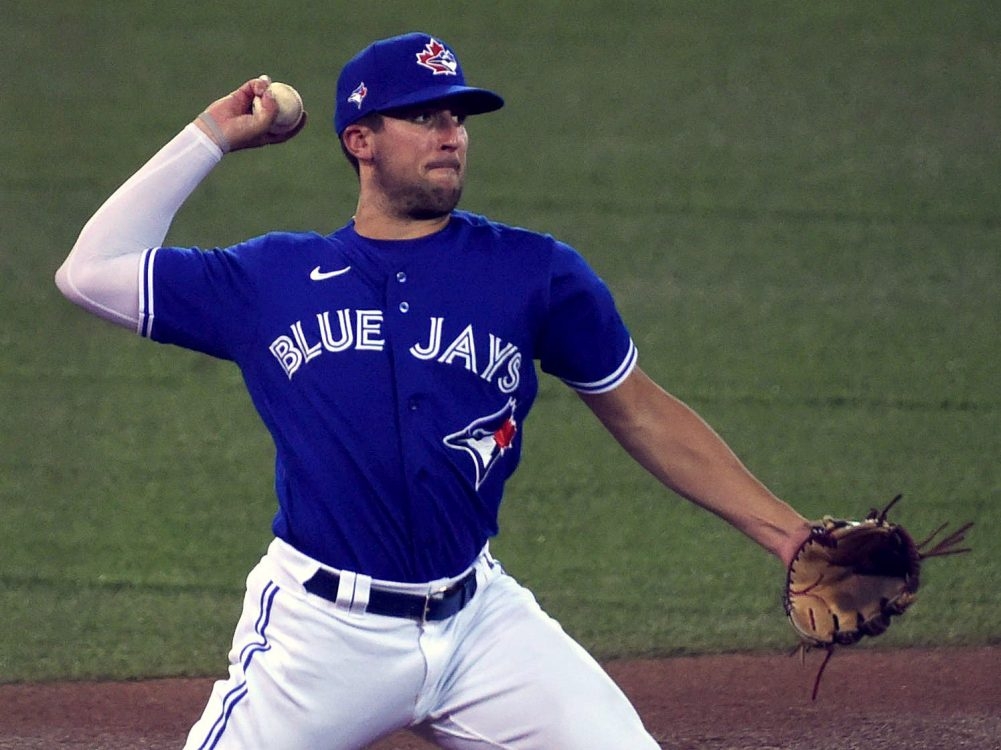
(869, 698)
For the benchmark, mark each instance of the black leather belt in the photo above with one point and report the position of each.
(438, 605)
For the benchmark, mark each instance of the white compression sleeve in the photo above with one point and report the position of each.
(101, 273)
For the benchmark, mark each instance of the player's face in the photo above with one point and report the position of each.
(420, 161)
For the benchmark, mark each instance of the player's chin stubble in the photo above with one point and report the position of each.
(423, 200)
(422, 203)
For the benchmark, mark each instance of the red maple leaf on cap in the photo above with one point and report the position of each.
(437, 58)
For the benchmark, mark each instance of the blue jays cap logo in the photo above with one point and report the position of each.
(358, 95)
(486, 439)
(438, 58)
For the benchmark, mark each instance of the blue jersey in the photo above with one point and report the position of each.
(395, 377)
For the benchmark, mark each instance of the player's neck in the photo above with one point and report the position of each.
(376, 224)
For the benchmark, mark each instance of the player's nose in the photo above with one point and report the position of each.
(449, 126)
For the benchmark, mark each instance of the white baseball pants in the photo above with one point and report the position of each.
(307, 673)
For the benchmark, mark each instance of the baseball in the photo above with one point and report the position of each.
(289, 107)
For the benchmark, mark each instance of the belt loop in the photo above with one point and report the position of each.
(427, 607)
(353, 592)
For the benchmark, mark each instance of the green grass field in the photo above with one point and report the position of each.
(797, 205)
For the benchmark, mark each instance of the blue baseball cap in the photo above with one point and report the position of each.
(404, 71)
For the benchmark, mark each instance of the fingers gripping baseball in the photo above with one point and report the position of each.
(247, 117)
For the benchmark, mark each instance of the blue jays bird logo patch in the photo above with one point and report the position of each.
(358, 95)
(486, 439)
(438, 58)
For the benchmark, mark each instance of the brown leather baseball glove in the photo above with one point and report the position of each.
(849, 578)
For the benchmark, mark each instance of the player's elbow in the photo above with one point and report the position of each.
(80, 276)
(63, 282)
(72, 283)
(106, 288)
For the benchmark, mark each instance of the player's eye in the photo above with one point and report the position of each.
(435, 117)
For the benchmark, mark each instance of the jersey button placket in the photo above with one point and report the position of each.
(401, 278)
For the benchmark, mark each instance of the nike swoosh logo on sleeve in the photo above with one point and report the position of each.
(317, 275)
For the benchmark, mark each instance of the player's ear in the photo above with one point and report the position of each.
(357, 141)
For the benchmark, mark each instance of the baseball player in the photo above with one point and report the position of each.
(393, 363)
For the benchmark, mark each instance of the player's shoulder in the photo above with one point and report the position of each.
(505, 235)
(482, 224)
(540, 247)
(285, 240)
(273, 246)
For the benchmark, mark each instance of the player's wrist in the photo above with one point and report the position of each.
(210, 126)
(794, 540)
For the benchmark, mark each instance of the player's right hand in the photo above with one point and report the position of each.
(243, 118)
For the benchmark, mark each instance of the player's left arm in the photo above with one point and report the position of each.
(677, 446)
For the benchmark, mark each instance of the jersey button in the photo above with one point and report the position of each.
(404, 306)
(414, 403)
(401, 277)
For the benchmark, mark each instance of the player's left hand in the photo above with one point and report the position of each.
(849, 578)
(245, 116)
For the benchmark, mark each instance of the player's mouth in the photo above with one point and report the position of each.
(447, 164)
